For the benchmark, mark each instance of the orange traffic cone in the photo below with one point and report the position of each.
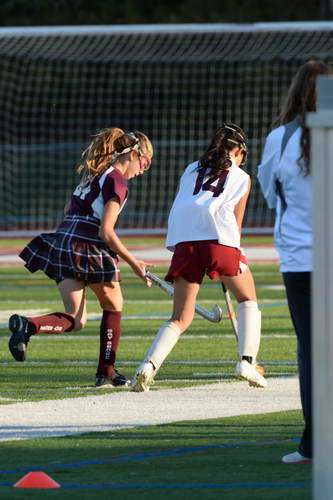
(36, 480)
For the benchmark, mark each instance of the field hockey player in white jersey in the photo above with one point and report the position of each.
(204, 233)
(84, 250)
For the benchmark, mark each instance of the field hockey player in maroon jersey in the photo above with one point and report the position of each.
(85, 248)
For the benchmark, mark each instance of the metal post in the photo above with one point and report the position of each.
(326, 9)
(321, 126)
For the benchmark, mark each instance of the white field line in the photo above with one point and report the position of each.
(150, 318)
(65, 337)
(134, 363)
(126, 409)
(5, 314)
(228, 378)
(225, 374)
(95, 302)
(162, 255)
(127, 301)
(98, 317)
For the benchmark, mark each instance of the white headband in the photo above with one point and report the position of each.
(239, 143)
(135, 147)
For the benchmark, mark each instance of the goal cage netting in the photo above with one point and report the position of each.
(176, 83)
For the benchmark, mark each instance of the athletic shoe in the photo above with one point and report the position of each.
(296, 458)
(117, 380)
(144, 377)
(249, 372)
(19, 338)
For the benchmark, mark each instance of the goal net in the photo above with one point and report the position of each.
(176, 83)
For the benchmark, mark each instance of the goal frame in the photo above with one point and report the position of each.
(58, 31)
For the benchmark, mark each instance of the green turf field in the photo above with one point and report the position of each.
(230, 458)
(59, 367)
(148, 241)
(199, 359)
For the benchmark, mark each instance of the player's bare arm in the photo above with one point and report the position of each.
(240, 207)
(108, 234)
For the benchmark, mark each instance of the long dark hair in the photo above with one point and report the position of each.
(302, 98)
(216, 158)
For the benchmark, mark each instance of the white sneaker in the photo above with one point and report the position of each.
(246, 371)
(144, 377)
(295, 458)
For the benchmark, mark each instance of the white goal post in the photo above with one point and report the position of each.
(321, 124)
(177, 83)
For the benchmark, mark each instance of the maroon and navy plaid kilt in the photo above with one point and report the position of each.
(74, 251)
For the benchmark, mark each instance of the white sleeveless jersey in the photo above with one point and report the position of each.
(204, 207)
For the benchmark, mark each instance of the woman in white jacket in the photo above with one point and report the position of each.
(285, 179)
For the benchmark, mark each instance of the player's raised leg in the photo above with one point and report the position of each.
(185, 294)
(73, 319)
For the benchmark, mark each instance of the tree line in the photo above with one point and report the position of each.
(109, 12)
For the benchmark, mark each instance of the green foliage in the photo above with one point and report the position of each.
(85, 12)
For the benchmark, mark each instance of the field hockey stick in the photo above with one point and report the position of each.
(231, 310)
(232, 316)
(214, 315)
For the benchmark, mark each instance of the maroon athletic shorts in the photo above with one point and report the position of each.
(193, 259)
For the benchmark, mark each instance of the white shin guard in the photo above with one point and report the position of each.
(164, 342)
(249, 329)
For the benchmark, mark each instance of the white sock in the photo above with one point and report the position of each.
(249, 329)
(164, 342)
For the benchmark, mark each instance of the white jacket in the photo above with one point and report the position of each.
(293, 224)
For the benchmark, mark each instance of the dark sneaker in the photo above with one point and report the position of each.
(19, 338)
(117, 380)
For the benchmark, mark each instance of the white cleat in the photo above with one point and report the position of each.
(295, 458)
(246, 371)
(144, 377)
